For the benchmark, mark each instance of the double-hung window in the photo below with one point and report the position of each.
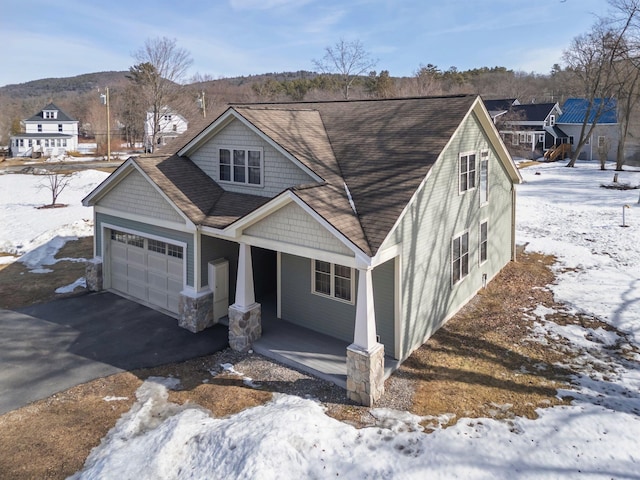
(467, 172)
(459, 258)
(238, 165)
(332, 280)
(484, 177)
(484, 241)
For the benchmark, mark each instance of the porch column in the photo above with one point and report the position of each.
(365, 356)
(245, 325)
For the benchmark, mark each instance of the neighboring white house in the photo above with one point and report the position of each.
(49, 132)
(170, 125)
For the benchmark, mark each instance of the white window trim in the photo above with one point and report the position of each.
(246, 149)
(332, 283)
(485, 155)
(480, 261)
(451, 259)
(475, 172)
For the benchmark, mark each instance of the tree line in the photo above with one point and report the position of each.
(601, 63)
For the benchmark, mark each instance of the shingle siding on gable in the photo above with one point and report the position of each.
(437, 215)
(293, 225)
(279, 172)
(134, 194)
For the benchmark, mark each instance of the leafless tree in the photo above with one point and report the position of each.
(161, 68)
(348, 60)
(55, 183)
(592, 58)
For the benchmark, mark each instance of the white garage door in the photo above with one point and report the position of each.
(147, 269)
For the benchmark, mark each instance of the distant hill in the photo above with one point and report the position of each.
(57, 87)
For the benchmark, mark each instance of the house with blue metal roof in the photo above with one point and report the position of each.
(604, 139)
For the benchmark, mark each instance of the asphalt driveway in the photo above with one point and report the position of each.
(48, 348)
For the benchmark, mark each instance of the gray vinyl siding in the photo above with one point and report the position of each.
(333, 317)
(134, 194)
(214, 248)
(383, 300)
(279, 172)
(300, 306)
(590, 152)
(437, 214)
(145, 228)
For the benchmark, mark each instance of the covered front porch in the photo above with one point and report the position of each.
(312, 352)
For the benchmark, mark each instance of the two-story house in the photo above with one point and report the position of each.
(368, 223)
(50, 132)
(530, 127)
(170, 125)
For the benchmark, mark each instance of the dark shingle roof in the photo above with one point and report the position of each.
(575, 109)
(383, 148)
(499, 105)
(201, 199)
(39, 117)
(533, 112)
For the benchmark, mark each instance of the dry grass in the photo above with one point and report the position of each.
(479, 364)
(20, 287)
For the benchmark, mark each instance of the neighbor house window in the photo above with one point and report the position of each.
(552, 120)
(60, 127)
(459, 258)
(467, 172)
(39, 127)
(484, 177)
(483, 241)
(240, 166)
(30, 143)
(523, 138)
(333, 280)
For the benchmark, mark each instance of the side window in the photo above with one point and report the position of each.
(484, 177)
(332, 280)
(484, 242)
(467, 172)
(239, 165)
(459, 258)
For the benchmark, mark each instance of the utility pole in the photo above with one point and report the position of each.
(104, 97)
(203, 105)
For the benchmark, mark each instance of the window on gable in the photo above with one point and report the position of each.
(240, 166)
(467, 172)
(552, 120)
(459, 258)
(484, 177)
(332, 280)
(484, 241)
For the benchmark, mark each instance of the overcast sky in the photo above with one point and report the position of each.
(226, 38)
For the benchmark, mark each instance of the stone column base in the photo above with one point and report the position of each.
(196, 313)
(245, 327)
(93, 275)
(365, 374)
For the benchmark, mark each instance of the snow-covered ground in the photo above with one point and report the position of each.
(561, 211)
